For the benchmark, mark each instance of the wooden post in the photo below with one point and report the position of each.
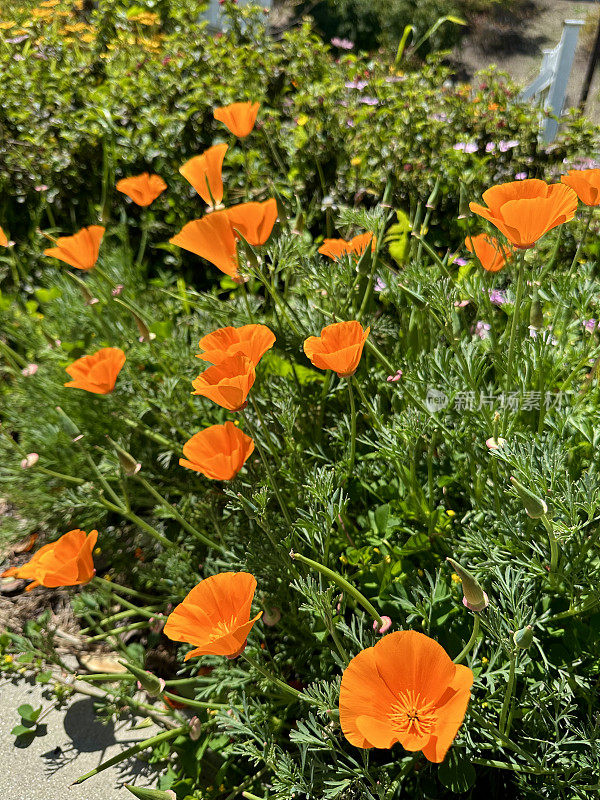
(558, 88)
(594, 56)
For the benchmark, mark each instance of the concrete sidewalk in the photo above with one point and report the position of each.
(74, 742)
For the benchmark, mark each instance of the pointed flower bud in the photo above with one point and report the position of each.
(475, 599)
(67, 423)
(150, 683)
(127, 462)
(523, 638)
(150, 794)
(534, 505)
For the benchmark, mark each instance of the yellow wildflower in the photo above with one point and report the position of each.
(456, 578)
(4, 26)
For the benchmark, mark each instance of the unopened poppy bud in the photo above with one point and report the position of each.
(149, 682)
(195, 729)
(127, 462)
(333, 714)
(475, 599)
(534, 505)
(523, 638)
(150, 794)
(271, 616)
(384, 627)
(536, 314)
(67, 423)
(30, 460)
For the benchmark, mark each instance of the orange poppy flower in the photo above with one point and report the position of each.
(3, 239)
(586, 184)
(227, 384)
(339, 347)
(97, 373)
(336, 248)
(212, 238)
(204, 173)
(404, 689)
(219, 452)
(215, 616)
(252, 341)
(80, 250)
(525, 210)
(66, 562)
(253, 221)
(491, 254)
(142, 189)
(239, 118)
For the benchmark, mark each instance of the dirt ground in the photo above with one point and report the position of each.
(514, 42)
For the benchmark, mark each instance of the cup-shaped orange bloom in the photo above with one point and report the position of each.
(66, 562)
(525, 210)
(404, 689)
(215, 616)
(212, 238)
(336, 248)
(97, 373)
(142, 189)
(219, 452)
(252, 341)
(3, 239)
(238, 117)
(80, 250)
(227, 384)
(339, 347)
(585, 183)
(204, 173)
(253, 221)
(491, 254)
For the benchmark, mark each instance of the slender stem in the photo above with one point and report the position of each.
(134, 626)
(137, 521)
(186, 701)
(144, 239)
(270, 476)
(165, 736)
(582, 240)
(342, 583)
(279, 683)
(573, 612)
(352, 425)
(265, 430)
(107, 677)
(182, 521)
(380, 357)
(513, 332)
(336, 640)
(116, 587)
(553, 547)
(467, 648)
(508, 693)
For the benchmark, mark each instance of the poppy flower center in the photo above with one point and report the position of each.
(222, 628)
(413, 715)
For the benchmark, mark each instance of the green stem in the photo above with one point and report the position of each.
(280, 684)
(371, 347)
(165, 736)
(270, 476)
(508, 693)
(194, 703)
(573, 612)
(352, 425)
(123, 589)
(265, 430)
(513, 332)
(553, 547)
(582, 240)
(467, 648)
(342, 583)
(144, 239)
(134, 626)
(137, 521)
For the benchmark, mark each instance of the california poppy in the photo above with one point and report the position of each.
(215, 616)
(212, 238)
(204, 173)
(66, 562)
(404, 689)
(252, 341)
(219, 452)
(227, 384)
(586, 184)
(253, 221)
(491, 254)
(142, 189)
(239, 118)
(3, 239)
(525, 210)
(339, 347)
(336, 248)
(97, 373)
(80, 250)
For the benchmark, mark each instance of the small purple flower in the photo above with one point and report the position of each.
(462, 262)
(356, 84)
(368, 101)
(394, 378)
(466, 147)
(349, 123)
(380, 285)
(590, 325)
(490, 147)
(497, 297)
(521, 176)
(395, 78)
(441, 117)
(18, 39)
(505, 146)
(482, 329)
(343, 44)
(546, 336)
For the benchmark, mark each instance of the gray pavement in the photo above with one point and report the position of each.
(74, 741)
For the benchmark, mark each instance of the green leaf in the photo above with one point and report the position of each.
(47, 295)
(21, 730)
(457, 773)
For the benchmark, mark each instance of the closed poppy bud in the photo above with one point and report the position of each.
(150, 683)
(252, 341)
(475, 599)
(204, 173)
(523, 638)
(339, 347)
(534, 506)
(219, 452)
(228, 383)
(215, 615)
(142, 189)
(30, 460)
(150, 794)
(80, 250)
(491, 254)
(195, 729)
(127, 462)
(585, 183)
(65, 562)
(98, 372)
(336, 248)
(67, 423)
(536, 314)
(525, 210)
(239, 118)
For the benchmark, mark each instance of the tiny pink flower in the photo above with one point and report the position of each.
(195, 729)
(395, 378)
(29, 370)
(387, 624)
(117, 290)
(30, 460)
(495, 444)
